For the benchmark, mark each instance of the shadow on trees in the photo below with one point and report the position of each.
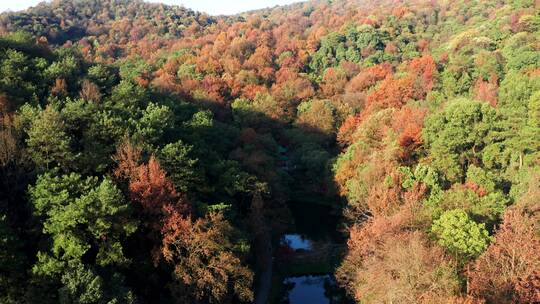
(293, 161)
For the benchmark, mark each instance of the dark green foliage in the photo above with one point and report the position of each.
(87, 221)
(12, 263)
(80, 215)
(336, 48)
(461, 236)
(185, 172)
(457, 135)
(83, 285)
(48, 142)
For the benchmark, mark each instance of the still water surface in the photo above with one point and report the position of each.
(312, 289)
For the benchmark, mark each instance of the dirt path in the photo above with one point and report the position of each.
(265, 265)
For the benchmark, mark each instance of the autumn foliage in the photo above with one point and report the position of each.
(154, 191)
(508, 271)
(387, 261)
(204, 264)
(416, 123)
(393, 93)
(369, 77)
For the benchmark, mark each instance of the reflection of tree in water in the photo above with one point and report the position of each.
(332, 291)
(296, 242)
(288, 286)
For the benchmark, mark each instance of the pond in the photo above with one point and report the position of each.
(306, 257)
(310, 289)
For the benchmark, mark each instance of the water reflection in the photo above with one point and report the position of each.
(313, 289)
(296, 242)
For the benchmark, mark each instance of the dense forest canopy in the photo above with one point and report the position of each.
(146, 149)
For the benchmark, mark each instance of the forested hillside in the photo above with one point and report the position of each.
(151, 154)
